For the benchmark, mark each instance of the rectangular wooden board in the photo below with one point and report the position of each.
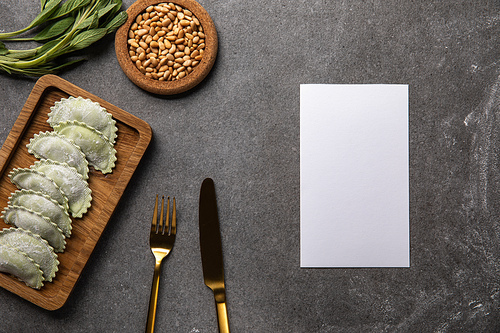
(134, 136)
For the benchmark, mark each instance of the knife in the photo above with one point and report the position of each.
(211, 251)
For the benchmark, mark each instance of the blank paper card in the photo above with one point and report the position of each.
(354, 195)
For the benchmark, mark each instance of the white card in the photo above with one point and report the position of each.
(354, 180)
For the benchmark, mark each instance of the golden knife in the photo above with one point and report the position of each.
(211, 251)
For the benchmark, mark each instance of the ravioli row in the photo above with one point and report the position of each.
(55, 188)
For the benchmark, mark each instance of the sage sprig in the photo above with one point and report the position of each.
(65, 27)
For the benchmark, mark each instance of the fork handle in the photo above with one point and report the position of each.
(222, 317)
(150, 326)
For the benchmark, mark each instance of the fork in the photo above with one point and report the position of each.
(161, 241)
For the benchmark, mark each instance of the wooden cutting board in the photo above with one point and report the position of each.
(134, 136)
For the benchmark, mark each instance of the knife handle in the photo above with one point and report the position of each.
(222, 317)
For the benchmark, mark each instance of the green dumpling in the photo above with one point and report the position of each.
(85, 111)
(14, 261)
(56, 147)
(100, 153)
(30, 179)
(22, 217)
(45, 206)
(35, 247)
(70, 182)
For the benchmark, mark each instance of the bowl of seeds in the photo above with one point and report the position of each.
(166, 48)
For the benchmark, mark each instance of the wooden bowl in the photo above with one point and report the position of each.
(167, 87)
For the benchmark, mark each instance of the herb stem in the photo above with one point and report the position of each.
(10, 35)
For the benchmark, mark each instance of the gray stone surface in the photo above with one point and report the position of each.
(241, 127)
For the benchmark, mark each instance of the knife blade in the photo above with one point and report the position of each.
(211, 251)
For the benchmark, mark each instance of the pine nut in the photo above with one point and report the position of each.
(141, 32)
(133, 43)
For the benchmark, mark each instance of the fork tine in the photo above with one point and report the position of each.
(167, 220)
(174, 218)
(161, 227)
(155, 216)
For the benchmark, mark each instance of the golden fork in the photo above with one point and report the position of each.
(161, 241)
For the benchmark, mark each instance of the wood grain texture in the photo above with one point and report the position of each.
(134, 136)
(167, 87)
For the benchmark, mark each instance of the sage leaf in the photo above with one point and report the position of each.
(21, 54)
(86, 38)
(47, 46)
(7, 58)
(105, 10)
(95, 21)
(3, 49)
(89, 22)
(69, 6)
(116, 9)
(55, 30)
(49, 8)
(116, 22)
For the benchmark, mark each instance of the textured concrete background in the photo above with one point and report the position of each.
(241, 127)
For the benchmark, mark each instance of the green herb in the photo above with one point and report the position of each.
(67, 27)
